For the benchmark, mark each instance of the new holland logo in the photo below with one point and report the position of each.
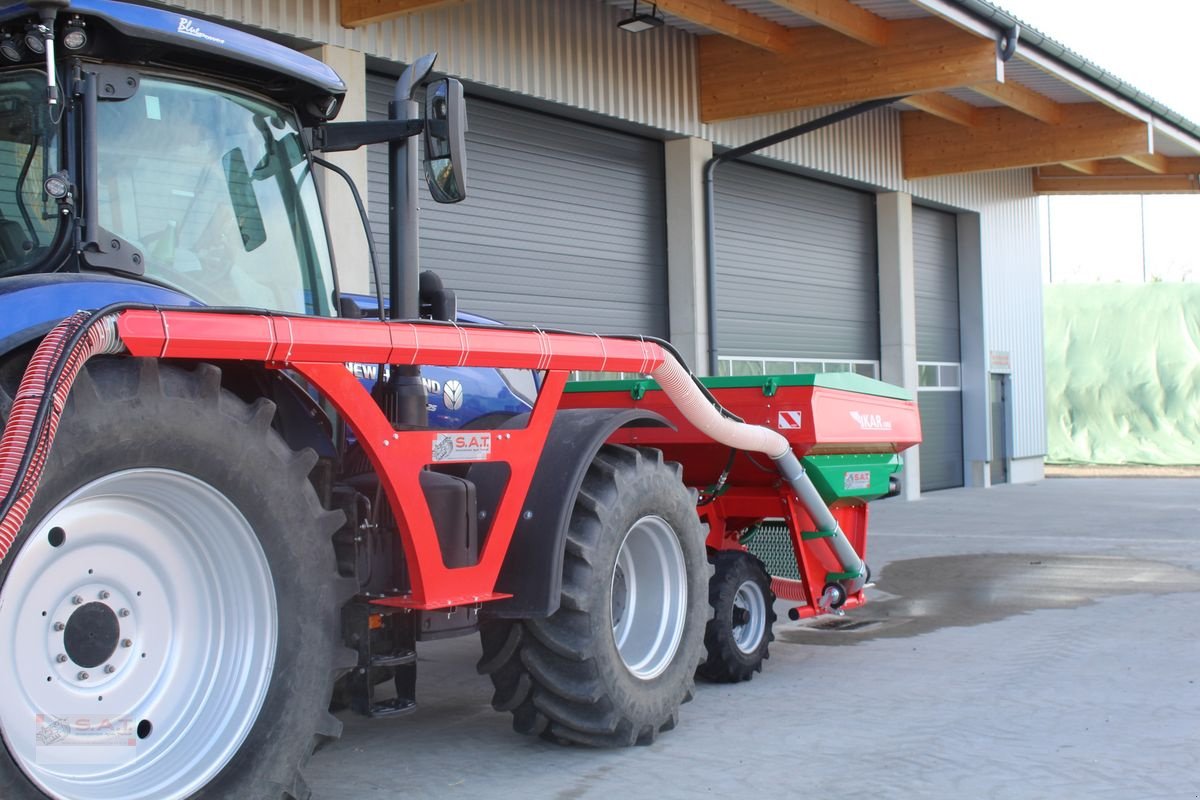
(452, 395)
(871, 422)
(189, 28)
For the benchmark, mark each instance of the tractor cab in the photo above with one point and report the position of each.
(159, 148)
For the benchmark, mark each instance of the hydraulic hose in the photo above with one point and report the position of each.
(37, 408)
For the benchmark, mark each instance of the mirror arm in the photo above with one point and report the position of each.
(336, 137)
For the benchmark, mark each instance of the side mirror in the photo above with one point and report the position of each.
(445, 147)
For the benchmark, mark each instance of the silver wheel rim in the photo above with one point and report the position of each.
(181, 572)
(649, 597)
(749, 599)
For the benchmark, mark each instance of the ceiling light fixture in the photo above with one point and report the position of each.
(636, 23)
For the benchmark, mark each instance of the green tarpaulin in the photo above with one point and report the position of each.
(1123, 374)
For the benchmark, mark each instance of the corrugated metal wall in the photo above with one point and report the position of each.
(570, 52)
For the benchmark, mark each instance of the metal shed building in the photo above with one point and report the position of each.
(901, 244)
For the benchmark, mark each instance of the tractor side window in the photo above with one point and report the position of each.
(216, 191)
(28, 153)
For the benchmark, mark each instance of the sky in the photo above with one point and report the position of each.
(1150, 45)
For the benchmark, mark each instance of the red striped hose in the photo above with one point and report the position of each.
(17, 488)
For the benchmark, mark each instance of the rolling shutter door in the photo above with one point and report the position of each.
(563, 226)
(935, 256)
(796, 267)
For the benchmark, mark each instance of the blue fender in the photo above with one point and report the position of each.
(30, 305)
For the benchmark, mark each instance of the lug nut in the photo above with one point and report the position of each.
(77, 600)
(110, 669)
(62, 659)
(58, 626)
(104, 595)
(127, 643)
(124, 612)
(83, 676)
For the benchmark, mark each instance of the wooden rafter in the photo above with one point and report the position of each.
(736, 23)
(822, 67)
(1150, 162)
(357, 13)
(1082, 167)
(1023, 99)
(844, 17)
(1007, 139)
(945, 107)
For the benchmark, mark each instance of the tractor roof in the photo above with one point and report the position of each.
(161, 36)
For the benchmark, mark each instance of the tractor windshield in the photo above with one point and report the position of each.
(217, 192)
(28, 153)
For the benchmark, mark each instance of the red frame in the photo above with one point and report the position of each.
(319, 348)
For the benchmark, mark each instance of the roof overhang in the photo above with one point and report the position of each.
(972, 105)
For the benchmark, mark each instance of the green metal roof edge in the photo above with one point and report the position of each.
(845, 381)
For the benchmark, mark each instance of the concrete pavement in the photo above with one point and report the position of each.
(1029, 641)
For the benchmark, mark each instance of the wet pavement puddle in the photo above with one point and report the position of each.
(926, 594)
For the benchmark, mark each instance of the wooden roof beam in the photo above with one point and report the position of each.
(844, 17)
(1081, 167)
(1123, 168)
(736, 23)
(1140, 184)
(1023, 99)
(945, 107)
(357, 13)
(1008, 139)
(823, 67)
(1150, 162)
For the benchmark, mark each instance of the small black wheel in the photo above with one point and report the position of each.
(611, 667)
(739, 634)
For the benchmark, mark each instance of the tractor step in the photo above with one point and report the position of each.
(396, 707)
(400, 659)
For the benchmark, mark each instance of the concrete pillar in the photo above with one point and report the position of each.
(898, 311)
(685, 159)
(349, 244)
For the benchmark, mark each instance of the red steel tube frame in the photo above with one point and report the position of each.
(318, 349)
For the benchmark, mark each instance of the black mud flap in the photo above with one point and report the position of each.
(532, 571)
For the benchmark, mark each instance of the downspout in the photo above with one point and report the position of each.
(710, 230)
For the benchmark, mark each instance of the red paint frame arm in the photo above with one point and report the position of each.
(318, 349)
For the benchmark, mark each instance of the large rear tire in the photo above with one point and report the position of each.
(612, 666)
(177, 580)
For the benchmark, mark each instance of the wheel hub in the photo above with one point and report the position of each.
(749, 623)
(90, 635)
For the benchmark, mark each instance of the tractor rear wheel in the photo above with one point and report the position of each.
(612, 666)
(739, 634)
(169, 613)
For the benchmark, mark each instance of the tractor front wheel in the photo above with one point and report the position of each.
(168, 615)
(612, 666)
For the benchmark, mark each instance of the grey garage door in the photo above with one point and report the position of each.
(796, 266)
(935, 256)
(564, 224)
